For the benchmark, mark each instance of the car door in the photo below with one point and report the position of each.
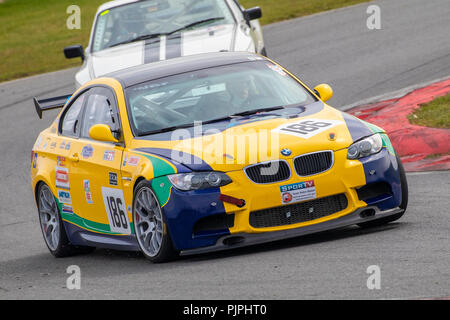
(94, 173)
(60, 145)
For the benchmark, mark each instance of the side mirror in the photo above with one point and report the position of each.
(102, 132)
(253, 13)
(324, 92)
(74, 52)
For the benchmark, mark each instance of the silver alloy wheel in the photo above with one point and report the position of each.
(49, 217)
(148, 222)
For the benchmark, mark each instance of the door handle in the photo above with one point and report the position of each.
(74, 157)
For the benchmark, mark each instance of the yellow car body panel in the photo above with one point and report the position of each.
(97, 169)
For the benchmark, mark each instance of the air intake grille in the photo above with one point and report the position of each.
(300, 212)
(214, 223)
(269, 172)
(313, 163)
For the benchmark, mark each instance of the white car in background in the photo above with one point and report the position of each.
(127, 33)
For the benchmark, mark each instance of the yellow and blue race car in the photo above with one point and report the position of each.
(204, 153)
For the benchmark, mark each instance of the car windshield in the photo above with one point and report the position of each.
(138, 20)
(212, 94)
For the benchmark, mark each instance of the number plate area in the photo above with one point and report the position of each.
(307, 128)
(116, 210)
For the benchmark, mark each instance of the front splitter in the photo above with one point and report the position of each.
(240, 240)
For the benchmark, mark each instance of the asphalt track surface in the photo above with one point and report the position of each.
(334, 47)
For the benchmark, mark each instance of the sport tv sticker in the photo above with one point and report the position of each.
(296, 192)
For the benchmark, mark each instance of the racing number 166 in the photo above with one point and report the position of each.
(119, 219)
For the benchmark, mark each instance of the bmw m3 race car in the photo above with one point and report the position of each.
(204, 153)
(127, 33)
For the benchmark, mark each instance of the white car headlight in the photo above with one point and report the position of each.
(365, 147)
(199, 180)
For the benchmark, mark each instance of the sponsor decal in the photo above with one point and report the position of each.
(67, 209)
(125, 160)
(62, 177)
(62, 145)
(38, 143)
(53, 145)
(35, 160)
(116, 209)
(133, 161)
(87, 151)
(287, 197)
(87, 191)
(332, 136)
(61, 161)
(277, 69)
(64, 197)
(254, 58)
(296, 192)
(108, 155)
(113, 178)
(307, 128)
(45, 145)
(68, 146)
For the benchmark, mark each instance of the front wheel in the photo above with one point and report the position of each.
(151, 230)
(403, 204)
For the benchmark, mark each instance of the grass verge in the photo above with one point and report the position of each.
(435, 114)
(33, 33)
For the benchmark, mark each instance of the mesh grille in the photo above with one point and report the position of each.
(214, 223)
(374, 190)
(300, 212)
(313, 163)
(269, 172)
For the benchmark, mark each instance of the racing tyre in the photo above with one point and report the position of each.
(403, 204)
(52, 226)
(151, 230)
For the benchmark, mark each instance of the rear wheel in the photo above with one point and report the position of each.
(151, 230)
(52, 227)
(403, 204)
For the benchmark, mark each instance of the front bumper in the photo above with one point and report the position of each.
(247, 239)
(185, 209)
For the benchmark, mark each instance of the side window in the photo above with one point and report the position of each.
(71, 121)
(100, 109)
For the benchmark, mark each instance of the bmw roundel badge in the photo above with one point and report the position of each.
(286, 152)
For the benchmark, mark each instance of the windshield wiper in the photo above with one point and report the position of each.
(156, 35)
(168, 129)
(255, 111)
(230, 117)
(182, 126)
(195, 23)
(143, 37)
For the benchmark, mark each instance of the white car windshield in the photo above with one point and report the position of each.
(211, 94)
(139, 20)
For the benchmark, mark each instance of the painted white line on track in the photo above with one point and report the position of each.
(427, 172)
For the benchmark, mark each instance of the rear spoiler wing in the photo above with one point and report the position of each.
(50, 104)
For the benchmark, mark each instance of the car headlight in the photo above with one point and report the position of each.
(199, 180)
(365, 147)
